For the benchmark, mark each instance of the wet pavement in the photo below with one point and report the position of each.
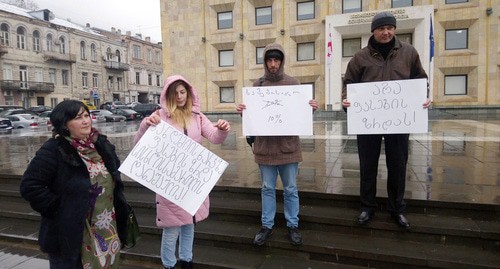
(458, 160)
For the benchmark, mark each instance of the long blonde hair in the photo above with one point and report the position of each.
(180, 115)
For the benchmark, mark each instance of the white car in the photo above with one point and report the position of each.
(26, 121)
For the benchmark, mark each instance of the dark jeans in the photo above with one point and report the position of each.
(58, 261)
(396, 152)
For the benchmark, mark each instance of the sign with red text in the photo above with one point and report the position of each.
(174, 166)
(386, 107)
(277, 110)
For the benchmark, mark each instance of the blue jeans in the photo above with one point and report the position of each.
(288, 174)
(185, 234)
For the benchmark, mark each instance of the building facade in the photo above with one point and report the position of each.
(45, 60)
(217, 45)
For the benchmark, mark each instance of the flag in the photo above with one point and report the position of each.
(329, 53)
(431, 39)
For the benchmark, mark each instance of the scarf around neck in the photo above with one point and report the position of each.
(86, 147)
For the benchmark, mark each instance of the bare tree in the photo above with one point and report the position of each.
(26, 4)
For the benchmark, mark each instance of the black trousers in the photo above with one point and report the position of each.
(396, 151)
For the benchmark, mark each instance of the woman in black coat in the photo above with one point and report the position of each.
(74, 183)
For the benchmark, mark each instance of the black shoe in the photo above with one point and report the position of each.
(295, 236)
(186, 265)
(401, 221)
(262, 236)
(364, 217)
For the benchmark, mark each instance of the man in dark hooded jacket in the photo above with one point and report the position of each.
(277, 155)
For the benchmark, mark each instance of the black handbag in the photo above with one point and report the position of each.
(133, 232)
(250, 140)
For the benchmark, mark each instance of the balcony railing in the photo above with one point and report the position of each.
(52, 56)
(117, 65)
(17, 85)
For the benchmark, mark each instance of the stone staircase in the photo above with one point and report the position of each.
(443, 234)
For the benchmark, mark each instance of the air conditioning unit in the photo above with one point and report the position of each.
(7, 93)
(31, 94)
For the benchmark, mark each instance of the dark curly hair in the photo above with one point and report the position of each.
(64, 112)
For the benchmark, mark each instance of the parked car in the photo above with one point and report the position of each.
(5, 125)
(26, 121)
(46, 116)
(133, 104)
(89, 105)
(6, 107)
(96, 116)
(39, 109)
(108, 115)
(146, 109)
(113, 105)
(128, 113)
(14, 111)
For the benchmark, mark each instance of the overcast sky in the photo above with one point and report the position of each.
(137, 16)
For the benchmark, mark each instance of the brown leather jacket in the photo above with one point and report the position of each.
(276, 150)
(368, 65)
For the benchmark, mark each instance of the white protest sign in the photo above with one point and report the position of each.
(277, 110)
(174, 166)
(385, 107)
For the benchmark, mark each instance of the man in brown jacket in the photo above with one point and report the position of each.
(384, 58)
(277, 155)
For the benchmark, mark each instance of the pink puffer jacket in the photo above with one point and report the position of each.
(167, 213)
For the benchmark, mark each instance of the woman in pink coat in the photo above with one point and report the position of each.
(181, 109)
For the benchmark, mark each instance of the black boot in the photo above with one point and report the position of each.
(186, 265)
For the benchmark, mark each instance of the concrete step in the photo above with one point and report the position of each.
(332, 238)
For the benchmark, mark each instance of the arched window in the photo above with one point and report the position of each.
(4, 34)
(49, 42)
(21, 38)
(62, 45)
(83, 53)
(118, 56)
(36, 41)
(109, 54)
(93, 52)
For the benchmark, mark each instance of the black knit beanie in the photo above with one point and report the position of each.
(274, 54)
(383, 18)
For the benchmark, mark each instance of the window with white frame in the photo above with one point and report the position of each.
(52, 75)
(350, 6)
(7, 71)
(305, 51)
(150, 56)
(23, 76)
(226, 94)
(36, 41)
(85, 77)
(119, 83)
(49, 42)
(111, 82)
(456, 39)
(402, 3)
(455, 1)
(226, 58)
(65, 77)
(350, 46)
(455, 85)
(225, 20)
(95, 80)
(109, 54)
(263, 15)
(93, 52)
(21, 38)
(38, 75)
(158, 57)
(4, 34)
(158, 80)
(305, 10)
(83, 50)
(259, 55)
(136, 52)
(62, 45)
(137, 78)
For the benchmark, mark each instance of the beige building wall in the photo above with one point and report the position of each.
(191, 42)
